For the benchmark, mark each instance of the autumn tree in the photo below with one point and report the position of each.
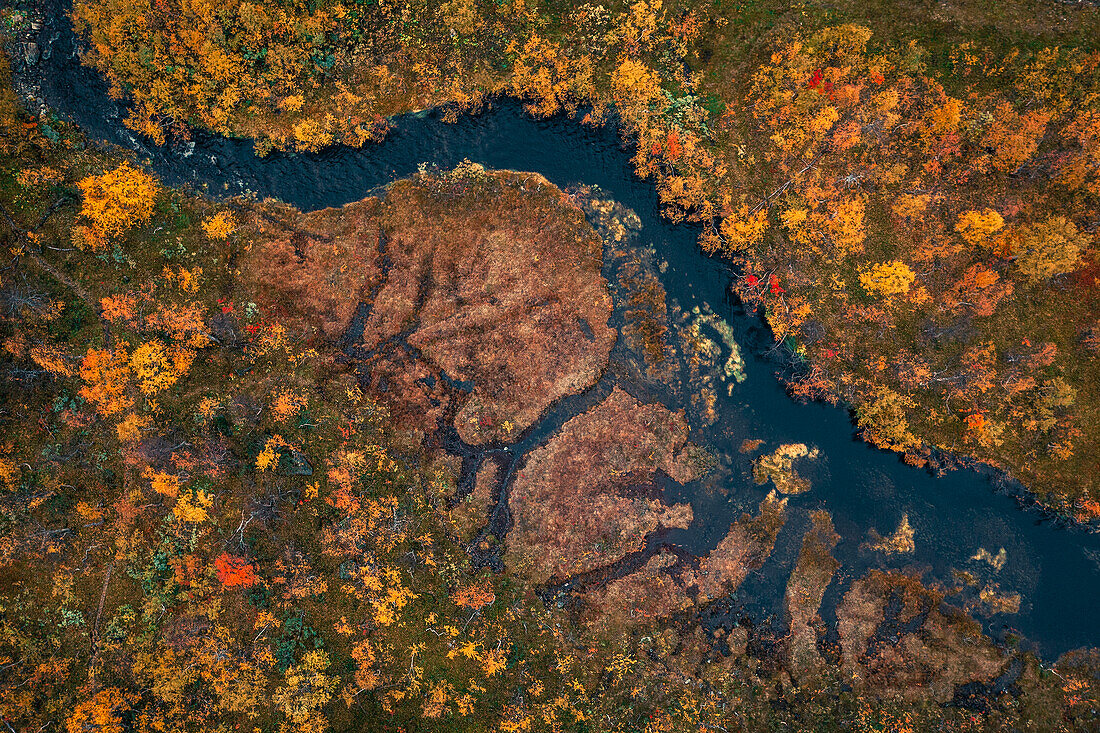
(976, 227)
(1048, 248)
(220, 225)
(234, 572)
(101, 712)
(53, 358)
(744, 228)
(980, 288)
(106, 374)
(115, 202)
(1081, 168)
(308, 688)
(157, 366)
(1013, 138)
(833, 226)
(887, 278)
(911, 206)
(636, 88)
(545, 74)
(882, 417)
(939, 126)
(287, 404)
(474, 595)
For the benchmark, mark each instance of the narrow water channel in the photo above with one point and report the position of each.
(1055, 570)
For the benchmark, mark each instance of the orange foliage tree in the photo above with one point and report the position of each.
(474, 595)
(234, 572)
(115, 202)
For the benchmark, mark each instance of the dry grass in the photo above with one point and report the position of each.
(570, 502)
(491, 279)
(805, 589)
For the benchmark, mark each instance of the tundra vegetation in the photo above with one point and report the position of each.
(224, 497)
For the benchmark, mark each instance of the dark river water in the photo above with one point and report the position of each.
(1056, 570)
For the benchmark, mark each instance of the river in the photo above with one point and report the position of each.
(1055, 569)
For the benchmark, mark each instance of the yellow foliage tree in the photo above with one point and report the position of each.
(311, 134)
(219, 226)
(157, 367)
(837, 228)
(1050, 248)
(887, 278)
(460, 15)
(183, 323)
(306, 692)
(129, 430)
(544, 74)
(269, 456)
(117, 201)
(163, 483)
(976, 227)
(9, 472)
(845, 225)
(636, 88)
(942, 119)
(882, 418)
(744, 228)
(192, 506)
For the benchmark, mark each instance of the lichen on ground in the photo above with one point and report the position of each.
(669, 583)
(947, 648)
(805, 589)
